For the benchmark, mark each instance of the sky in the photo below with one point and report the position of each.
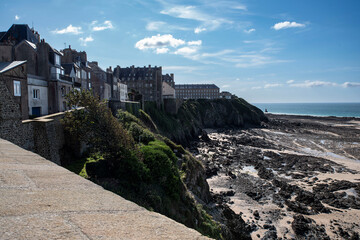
(263, 51)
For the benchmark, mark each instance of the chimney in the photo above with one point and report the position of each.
(37, 35)
(149, 66)
(69, 46)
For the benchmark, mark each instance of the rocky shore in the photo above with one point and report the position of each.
(293, 177)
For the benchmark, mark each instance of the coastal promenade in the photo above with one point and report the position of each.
(41, 200)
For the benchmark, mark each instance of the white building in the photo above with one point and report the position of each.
(123, 91)
(37, 95)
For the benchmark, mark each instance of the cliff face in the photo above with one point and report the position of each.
(195, 115)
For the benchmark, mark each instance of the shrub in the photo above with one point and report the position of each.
(141, 134)
(161, 162)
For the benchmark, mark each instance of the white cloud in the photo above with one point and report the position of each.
(272, 85)
(100, 27)
(186, 51)
(69, 29)
(208, 22)
(186, 69)
(162, 50)
(225, 86)
(250, 30)
(310, 84)
(217, 54)
(84, 41)
(17, 17)
(199, 30)
(287, 24)
(255, 88)
(252, 60)
(240, 7)
(159, 41)
(195, 43)
(160, 26)
(290, 81)
(155, 26)
(351, 84)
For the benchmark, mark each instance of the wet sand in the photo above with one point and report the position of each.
(297, 176)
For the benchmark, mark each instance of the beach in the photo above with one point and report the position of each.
(296, 176)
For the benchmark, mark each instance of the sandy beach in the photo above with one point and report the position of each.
(295, 177)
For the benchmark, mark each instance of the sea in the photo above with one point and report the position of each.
(312, 109)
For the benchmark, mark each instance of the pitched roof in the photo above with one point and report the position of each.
(32, 45)
(19, 32)
(6, 66)
(68, 67)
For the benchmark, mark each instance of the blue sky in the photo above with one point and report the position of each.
(263, 51)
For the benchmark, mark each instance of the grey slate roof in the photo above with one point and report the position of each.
(19, 32)
(6, 66)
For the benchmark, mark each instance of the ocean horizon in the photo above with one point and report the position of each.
(312, 109)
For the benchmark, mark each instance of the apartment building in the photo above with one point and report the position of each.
(197, 91)
(147, 81)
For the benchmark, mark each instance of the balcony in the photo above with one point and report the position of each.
(65, 78)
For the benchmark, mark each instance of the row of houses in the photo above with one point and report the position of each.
(51, 74)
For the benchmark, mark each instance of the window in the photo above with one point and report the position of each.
(36, 93)
(57, 59)
(17, 88)
(63, 91)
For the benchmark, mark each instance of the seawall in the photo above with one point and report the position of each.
(41, 200)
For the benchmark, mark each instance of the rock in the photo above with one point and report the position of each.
(256, 215)
(204, 136)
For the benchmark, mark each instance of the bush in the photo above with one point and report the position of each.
(141, 134)
(161, 162)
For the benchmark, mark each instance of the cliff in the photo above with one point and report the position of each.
(195, 115)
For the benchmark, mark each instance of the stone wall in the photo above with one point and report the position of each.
(48, 136)
(131, 107)
(172, 105)
(10, 117)
(43, 135)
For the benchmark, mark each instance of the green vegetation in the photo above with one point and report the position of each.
(126, 155)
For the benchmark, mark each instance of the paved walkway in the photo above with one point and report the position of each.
(41, 200)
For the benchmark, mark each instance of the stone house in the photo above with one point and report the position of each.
(146, 81)
(168, 91)
(83, 76)
(225, 94)
(99, 82)
(169, 79)
(13, 80)
(46, 77)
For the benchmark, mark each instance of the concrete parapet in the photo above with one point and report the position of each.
(40, 200)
